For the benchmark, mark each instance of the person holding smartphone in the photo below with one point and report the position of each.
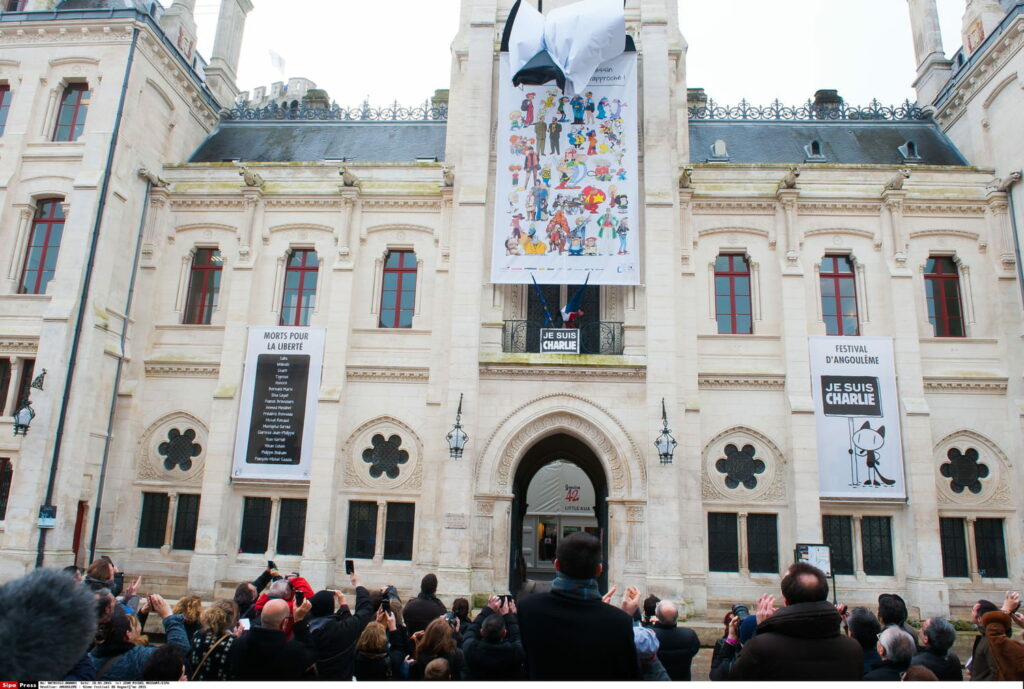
(332, 630)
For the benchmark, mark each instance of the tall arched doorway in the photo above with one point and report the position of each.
(556, 448)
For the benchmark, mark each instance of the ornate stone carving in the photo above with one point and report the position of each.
(173, 450)
(971, 470)
(742, 465)
(391, 374)
(170, 369)
(19, 346)
(583, 428)
(485, 507)
(559, 372)
(386, 456)
(991, 386)
(977, 209)
(733, 381)
(404, 474)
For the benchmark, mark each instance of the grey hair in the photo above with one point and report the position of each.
(659, 612)
(899, 646)
(279, 589)
(940, 634)
(47, 624)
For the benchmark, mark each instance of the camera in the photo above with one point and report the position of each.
(385, 605)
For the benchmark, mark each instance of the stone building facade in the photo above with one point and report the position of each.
(147, 443)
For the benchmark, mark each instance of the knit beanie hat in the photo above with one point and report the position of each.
(322, 604)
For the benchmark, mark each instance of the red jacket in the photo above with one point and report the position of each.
(299, 585)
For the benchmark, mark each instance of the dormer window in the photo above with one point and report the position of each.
(909, 151)
(813, 151)
(719, 152)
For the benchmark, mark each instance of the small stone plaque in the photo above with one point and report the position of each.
(455, 521)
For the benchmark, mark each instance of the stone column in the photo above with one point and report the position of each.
(667, 355)
(470, 108)
(923, 564)
(933, 69)
(222, 73)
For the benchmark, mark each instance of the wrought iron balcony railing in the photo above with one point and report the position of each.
(596, 337)
(429, 111)
(808, 111)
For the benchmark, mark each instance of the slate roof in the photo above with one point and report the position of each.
(267, 142)
(140, 5)
(845, 142)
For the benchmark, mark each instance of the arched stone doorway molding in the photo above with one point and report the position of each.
(504, 450)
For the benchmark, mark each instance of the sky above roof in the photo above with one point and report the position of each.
(399, 50)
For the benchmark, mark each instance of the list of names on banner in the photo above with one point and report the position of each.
(278, 409)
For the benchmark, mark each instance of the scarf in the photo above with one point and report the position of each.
(581, 589)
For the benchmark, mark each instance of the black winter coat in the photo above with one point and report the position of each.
(886, 671)
(723, 656)
(378, 667)
(456, 665)
(421, 611)
(486, 660)
(946, 666)
(677, 647)
(333, 638)
(573, 639)
(264, 654)
(800, 642)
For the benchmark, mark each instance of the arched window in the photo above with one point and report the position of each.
(203, 287)
(300, 287)
(5, 105)
(942, 288)
(74, 106)
(732, 294)
(839, 296)
(398, 296)
(43, 247)
(6, 477)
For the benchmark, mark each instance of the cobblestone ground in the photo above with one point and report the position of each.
(701, 666)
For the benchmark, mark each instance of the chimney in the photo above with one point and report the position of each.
(827, 102)
(179, 25)
(980, 18)
(222, 73)
(696, 98)
(933, 69)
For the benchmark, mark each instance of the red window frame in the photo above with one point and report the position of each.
(300, 279)
(398, 290)
(838, 276)
(75, 100)
(43, 247)
(942, 291)
(5, 106)
(735, 268)
(203, 287)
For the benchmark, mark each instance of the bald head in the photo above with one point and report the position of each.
(275, 612)
(666, 612)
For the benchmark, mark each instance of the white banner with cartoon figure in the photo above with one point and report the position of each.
(856, 407)
(566, 191)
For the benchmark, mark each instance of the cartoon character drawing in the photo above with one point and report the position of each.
(608, 129)
(617, 112)
(527, 109)
(517, 229)
(607, 222)
(623, 230)
(556, 240)
(531, 164)
(514, 117)
(591, 142)
(562, 102)
(590, 246)
(602, 108)
(592, 198)
(866, 443)
(577, 109)
(602, 171)
(515, 170)
(512, 247)
(545, 175)
(558, 221)
(575, 246)
(534, 246)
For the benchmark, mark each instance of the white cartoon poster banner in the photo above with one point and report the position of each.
(567, 193)
(856, 407)
(277, 415)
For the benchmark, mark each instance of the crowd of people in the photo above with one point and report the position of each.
(88, 626)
